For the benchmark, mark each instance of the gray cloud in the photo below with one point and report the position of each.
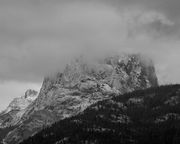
(169, 7)
(40, 37)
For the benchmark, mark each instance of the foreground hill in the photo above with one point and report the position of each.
(150, 116)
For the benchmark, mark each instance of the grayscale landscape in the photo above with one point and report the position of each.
(89, 72)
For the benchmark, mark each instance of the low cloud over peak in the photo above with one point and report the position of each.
(41, 37)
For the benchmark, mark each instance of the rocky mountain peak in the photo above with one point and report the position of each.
(13, 113)
(30, 94)
(124, 67)
(81, 84)
(121, 74)
(22, 102)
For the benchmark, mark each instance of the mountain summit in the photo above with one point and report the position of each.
(13, 113)
(81, 84)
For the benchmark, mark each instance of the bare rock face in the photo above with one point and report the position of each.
(80, 85)
(13, 113)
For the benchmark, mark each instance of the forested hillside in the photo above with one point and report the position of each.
(150, 116)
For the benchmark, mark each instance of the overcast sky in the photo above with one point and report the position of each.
(38, 37)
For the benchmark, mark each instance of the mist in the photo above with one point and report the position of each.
(39, 38)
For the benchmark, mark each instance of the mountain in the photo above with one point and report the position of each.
(13, 113)
(150, 116)
(81, 84)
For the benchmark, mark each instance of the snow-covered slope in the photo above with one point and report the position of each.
(80, 85)
(13, 113)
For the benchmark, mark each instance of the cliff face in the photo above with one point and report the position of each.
(80, 85)
(118, 74)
